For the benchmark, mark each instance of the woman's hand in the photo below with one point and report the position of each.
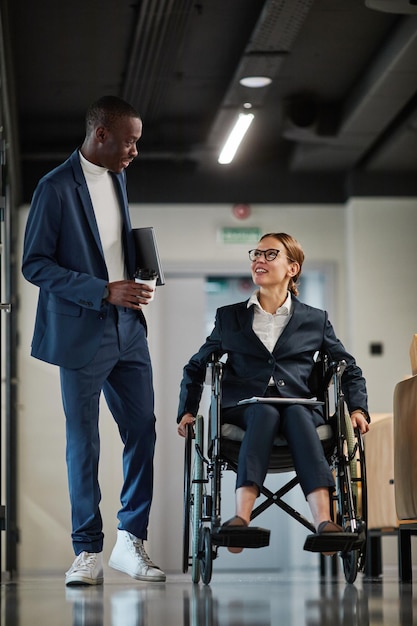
(359, 421)
(186, 419)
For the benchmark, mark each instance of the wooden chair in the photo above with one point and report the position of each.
(405, 463)
(382, 517)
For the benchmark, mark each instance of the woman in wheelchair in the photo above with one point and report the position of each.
(270, 341)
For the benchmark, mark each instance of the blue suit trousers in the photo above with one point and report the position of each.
(122, 370)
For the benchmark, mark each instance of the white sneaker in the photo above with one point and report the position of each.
(87, 569)
(129, 556)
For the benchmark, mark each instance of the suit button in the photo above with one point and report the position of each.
(270, 361)
(281, 383)
(101, 316)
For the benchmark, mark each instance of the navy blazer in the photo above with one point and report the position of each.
(250, 365)
(63, 256)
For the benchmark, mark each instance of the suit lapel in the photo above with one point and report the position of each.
(245, 318)
(295, 321)
(85, 198)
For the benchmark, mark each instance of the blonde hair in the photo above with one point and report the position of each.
(294, 252)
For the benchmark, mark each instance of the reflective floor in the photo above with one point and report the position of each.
(232, 599)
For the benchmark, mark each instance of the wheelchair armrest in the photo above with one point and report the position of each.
(214, 369)
(334, 368)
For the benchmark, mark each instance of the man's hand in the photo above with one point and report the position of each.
(128, 293)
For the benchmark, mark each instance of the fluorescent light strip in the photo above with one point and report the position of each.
(233, 141)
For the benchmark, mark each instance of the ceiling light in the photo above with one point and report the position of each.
(236, 135)
(254, 82)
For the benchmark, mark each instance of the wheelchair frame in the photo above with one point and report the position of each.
(203, 533)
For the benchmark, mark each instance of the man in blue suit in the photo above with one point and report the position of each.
(79, 251)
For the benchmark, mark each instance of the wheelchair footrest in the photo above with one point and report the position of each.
(238, 537)
(333, 542)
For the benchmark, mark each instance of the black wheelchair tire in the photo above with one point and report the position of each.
(206, 556)
(350, 562)
(197, 499)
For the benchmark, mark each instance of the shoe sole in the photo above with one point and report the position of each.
(83, 582)
(150, 579)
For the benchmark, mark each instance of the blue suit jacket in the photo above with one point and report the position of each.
(64, 258)
(250, 365)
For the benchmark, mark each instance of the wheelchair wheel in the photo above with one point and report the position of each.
(206, 555)
(197, 499)
(187, 500)
(352, 501)
(193, 498)
(350, 565)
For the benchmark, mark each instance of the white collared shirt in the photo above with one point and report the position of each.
(269, 326)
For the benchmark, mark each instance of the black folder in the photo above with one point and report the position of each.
(147, 255)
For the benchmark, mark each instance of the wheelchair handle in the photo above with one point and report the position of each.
(334, 368)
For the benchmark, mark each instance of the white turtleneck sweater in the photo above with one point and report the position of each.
(108, 217)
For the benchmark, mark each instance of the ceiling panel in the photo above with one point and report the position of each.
(338, 118)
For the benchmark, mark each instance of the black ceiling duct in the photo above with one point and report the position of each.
(393, 6)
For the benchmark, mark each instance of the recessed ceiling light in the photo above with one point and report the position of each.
(255, 81)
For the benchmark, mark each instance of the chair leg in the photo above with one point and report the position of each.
(373, 565)
(322, 566)
(332, 562)
(404, 555)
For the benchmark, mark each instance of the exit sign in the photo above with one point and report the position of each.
(239, 235)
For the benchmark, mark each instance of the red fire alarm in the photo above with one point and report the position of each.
(241, 211)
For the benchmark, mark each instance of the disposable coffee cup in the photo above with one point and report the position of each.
(147, 276)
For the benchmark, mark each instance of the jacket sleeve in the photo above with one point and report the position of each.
(194, 373)
(353, 382)
(43, 242)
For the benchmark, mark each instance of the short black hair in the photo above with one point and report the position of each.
(105, 110)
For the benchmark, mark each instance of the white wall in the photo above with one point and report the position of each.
(187, 238)
(187, 235)
(382, 301)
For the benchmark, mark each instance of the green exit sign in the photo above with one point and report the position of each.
(240, 235)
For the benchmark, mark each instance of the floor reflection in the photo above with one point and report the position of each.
(258, 599)
(128, 607)
(338, 608)
(87, 605)
(203, 608)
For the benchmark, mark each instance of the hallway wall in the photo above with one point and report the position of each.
(371, 246)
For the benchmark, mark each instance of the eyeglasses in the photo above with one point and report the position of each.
(270, 255)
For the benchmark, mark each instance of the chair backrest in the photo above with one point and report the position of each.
(413, 355)
(405, 448)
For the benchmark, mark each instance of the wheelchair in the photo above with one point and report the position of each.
(205, 462)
